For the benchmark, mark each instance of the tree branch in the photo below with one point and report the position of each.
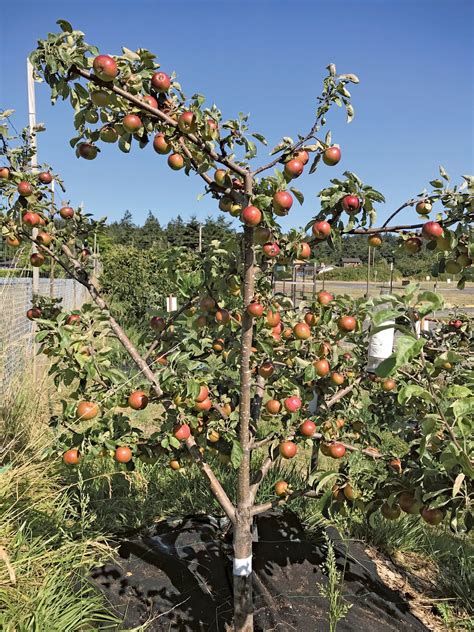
(163, 117)
(216, 488)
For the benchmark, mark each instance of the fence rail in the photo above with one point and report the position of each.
(16, 331)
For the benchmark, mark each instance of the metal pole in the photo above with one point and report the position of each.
(34, 165)
(391, 277)
(200, 238)
(51, 270)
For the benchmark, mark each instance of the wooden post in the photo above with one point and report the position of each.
(51, 270)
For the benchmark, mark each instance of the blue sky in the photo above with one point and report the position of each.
(413, 105)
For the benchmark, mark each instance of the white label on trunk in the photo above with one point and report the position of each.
(243, 566)
(380, 346)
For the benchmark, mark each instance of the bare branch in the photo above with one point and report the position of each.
(216, 488)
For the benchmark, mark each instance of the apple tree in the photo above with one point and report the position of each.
(238, 367)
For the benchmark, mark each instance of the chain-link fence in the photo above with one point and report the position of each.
(17, 332)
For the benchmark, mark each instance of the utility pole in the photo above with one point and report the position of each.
(51, 270)
(34, 166)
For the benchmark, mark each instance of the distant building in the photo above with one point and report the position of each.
(351, 262)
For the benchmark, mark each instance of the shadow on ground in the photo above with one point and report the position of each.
(179, 574)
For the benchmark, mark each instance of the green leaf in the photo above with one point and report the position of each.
(130, 54)
(408, 347)
(413, 390)
(236, 454)
(463, 408)
(455, 391)
(384, 315)
(457, 483)
(433, 302)
(64, 25)
(298, 195)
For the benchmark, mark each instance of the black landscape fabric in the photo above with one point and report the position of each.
(178, 576)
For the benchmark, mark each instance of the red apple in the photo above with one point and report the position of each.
(412, 245)
(294, 168)
(308, 428)
(273, 318)
(182, 432)
(281, 488)
(87, 151)
(336, 450)
(302, 331)
(204, 405)
(292, 404)
(131, 123)
(324, 297)
(87, 410)
(37, 259)
(45, 177)
(123, 454)
(351, 204)
(271, 250)
(66, 212)
(4, 173)
(288, 449)
(161, 82)
(331, 156)
(187, 122)
(161, 145)
(203, 393)
(432, 516)
(337, 378)
(71, 457)
(432, 230)
(151, 101)
(138, 400)
(321, 229)
(302, 155)
(251, 216)
(303, 250)
(207, 304)
(388, 384)
(31, 219)
(13, 242)
(322, 367)
(266, 369)
(347, 323)
(255, 309)
(33, 312)
(390, 513)
(311, 319)
(24, 188)
(105, 67)
(73, 319)
(282, 202)
(176, 162)
(44, 238)
(273, 406)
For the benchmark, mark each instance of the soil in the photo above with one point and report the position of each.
(178, 576)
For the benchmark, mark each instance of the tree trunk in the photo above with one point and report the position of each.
(242, 570)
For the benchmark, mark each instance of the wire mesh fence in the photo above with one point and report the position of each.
(17, 349)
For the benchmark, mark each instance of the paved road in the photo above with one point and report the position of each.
(452, 296)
